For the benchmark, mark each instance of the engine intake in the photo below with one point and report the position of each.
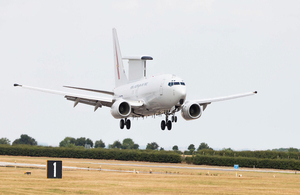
(191, 111)
(120, 109)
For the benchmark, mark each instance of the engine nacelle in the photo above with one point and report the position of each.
(120, 109)
(191, 111)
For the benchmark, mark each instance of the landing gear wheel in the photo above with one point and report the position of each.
(169, 125)
(128, 124)
(163, 125)
(175, 119)
(122, 123)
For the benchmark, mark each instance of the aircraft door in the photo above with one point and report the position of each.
(137, 92)
(161, 87)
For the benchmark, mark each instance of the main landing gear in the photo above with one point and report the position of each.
(168, 123)
(126, 123)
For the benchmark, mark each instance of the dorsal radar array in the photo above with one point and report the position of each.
(137, 67)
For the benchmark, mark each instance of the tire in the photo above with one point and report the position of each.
(175, 119)
(169, 125)
(122, 123)
(128, 124)
(163, 125)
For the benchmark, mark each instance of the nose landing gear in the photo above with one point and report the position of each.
(126, 123)
(174, 119)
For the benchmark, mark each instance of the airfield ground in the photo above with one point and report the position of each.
(117, 177)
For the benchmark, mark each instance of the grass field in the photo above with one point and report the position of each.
(181, 181)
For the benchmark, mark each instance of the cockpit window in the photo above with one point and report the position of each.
(175, 83)
(170, 84)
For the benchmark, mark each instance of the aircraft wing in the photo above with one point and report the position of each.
(205, 102)
(93, 90)
(133, 103)
(77, 98)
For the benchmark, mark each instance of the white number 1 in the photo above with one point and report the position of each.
(54, 166)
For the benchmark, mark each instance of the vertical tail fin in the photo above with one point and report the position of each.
(120, 76)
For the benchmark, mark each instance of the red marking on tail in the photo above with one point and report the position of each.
(117, 62)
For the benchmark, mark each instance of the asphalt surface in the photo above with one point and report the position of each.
(3, 164)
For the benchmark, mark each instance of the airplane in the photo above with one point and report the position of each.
(138, 96)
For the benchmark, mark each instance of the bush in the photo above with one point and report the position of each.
(97, 153)
(258, 159)
(247, 162)
(251, 154)
(189, 160)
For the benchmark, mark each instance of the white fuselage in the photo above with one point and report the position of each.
(159, 94)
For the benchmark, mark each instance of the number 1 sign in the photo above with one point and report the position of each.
(54, 169)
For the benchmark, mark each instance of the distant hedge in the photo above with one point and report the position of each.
(252, 154)
(97, 153)
(290, 164)
(259, 159)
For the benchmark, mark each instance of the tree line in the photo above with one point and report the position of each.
(93, 153)
(24, 140)
(127, 143)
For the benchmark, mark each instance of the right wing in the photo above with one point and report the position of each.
(77, 98)
(93, 90)
(205, 102)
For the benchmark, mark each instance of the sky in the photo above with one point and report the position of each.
(218, 48)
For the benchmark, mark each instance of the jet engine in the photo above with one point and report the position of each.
(120, 109)
(191, 111)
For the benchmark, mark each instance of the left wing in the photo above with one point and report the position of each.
(77, 98)
(205, 102)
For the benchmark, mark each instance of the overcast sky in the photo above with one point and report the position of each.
(218, 48)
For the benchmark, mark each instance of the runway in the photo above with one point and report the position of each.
(4, 164)
(9, 164)
(200, 168)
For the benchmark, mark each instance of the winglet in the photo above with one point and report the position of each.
(17, 85)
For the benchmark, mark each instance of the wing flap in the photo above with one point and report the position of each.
(91, 102)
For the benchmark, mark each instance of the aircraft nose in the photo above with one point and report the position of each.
(181, 94)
